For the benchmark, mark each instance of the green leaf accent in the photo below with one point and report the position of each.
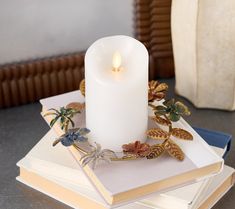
(49, 113)
(169, 102)
(62, 119)
(64, 114)
(174, 116)
(182, 108)
(55, 110)
(74, 112)
(160, 110)
(71, 121)
(53, 121)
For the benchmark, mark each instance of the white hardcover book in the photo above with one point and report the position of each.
(84, 199)
(171, 173)
(219, 186)
(58, 164)
(81, 198)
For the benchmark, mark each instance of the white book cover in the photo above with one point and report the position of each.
(58, 164)
(220, 185)
(105, 175)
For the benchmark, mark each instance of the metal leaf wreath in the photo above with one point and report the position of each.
(169, 111)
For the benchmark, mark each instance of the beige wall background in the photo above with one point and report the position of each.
(39, 28)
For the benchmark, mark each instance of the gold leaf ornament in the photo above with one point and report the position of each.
(161, 87)
(161, 121)
(174, 150)
(157, 133)
(128, 156)
(76, 106)
(181, 134)
(155, 151)
(82, 87)
(156, 90)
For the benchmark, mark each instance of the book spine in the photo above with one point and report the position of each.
(233, 179)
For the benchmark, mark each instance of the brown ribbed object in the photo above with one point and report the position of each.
(26, 82)
(152, 27)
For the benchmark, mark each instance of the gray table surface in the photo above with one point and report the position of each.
(22, 127)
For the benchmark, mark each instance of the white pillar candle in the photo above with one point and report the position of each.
(116, 74)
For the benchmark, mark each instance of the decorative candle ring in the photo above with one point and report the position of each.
(92, 152)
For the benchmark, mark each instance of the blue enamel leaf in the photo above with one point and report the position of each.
(83, 131)
(68, 139)
(73, 135)
(66, 142)
(81, 138)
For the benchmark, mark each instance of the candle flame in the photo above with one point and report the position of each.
(117, 60)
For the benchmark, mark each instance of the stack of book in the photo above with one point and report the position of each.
(197, 182)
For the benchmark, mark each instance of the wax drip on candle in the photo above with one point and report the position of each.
(117, 60)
